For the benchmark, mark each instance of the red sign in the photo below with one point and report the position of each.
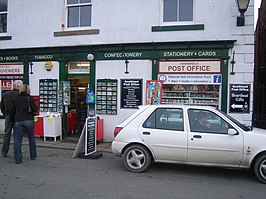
(6, 84)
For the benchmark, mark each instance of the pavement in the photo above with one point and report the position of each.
(68, 143)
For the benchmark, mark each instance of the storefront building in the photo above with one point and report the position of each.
(192, 60)
(205, 72)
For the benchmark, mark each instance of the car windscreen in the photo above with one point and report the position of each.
(242, 126)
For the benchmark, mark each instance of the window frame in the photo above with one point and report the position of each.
(176, 22)
(212, 130)
(5, 13)
(77, 5)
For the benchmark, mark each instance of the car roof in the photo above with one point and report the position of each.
(185, 106)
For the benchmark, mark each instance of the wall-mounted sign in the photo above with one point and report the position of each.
(66, 93)
(190, 53)
(154, 91)
(131, 93)
(190, 66)
(191, 78)
(239, 98)
(11, 69)
(48, 65)
(10, 58)
(6, 84)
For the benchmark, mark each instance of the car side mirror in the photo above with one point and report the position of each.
(232, 132)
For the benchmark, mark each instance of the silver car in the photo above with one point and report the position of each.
(185, 134)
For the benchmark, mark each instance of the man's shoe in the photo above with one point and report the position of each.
(4, 155)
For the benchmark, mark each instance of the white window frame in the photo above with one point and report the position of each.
(176, 22)
(79, 5)
(4, 12)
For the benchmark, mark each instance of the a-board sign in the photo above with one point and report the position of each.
(131, 93)
(90, 135)
(239, 98)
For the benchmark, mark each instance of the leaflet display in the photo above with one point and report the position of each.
(48, 89)
(106, 101)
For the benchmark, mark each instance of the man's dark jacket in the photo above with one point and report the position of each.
(8, 100)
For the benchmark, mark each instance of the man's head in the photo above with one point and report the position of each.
(17, 84)
(202, 118)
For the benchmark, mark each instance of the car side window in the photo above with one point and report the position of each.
(207, 122)
(166, 118)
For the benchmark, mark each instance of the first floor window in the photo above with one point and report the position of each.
(79, 13)
(177, 10)
(3, 16)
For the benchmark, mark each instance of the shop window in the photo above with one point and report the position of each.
(191, 94)
(177, 10)
(3, 16)
(78, 13)
(79, 67)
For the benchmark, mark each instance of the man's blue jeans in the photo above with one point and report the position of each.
(7, 135)
(22, 127)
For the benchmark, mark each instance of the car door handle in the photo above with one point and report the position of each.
(146, 133)
(197, 136)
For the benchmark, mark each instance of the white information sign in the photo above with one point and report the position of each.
(191, 78)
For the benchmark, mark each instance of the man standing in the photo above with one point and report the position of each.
(6, 105)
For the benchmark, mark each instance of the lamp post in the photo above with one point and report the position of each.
(242, 8)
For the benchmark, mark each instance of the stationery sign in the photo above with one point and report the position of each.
(131, 93)
(239, 98)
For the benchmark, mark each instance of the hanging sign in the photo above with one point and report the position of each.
(90, 97)
(239, 98)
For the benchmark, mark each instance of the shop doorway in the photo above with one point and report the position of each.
(77, 111)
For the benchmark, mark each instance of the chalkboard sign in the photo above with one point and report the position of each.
(90, 136)
(239, 98)
(131, 93)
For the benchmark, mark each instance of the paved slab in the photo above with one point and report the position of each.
(68, 143)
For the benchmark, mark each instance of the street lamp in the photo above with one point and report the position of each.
(242, 8)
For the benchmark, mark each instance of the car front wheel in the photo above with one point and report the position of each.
(136, 158)
(260, 168)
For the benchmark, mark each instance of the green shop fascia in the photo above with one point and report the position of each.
(155, 51)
